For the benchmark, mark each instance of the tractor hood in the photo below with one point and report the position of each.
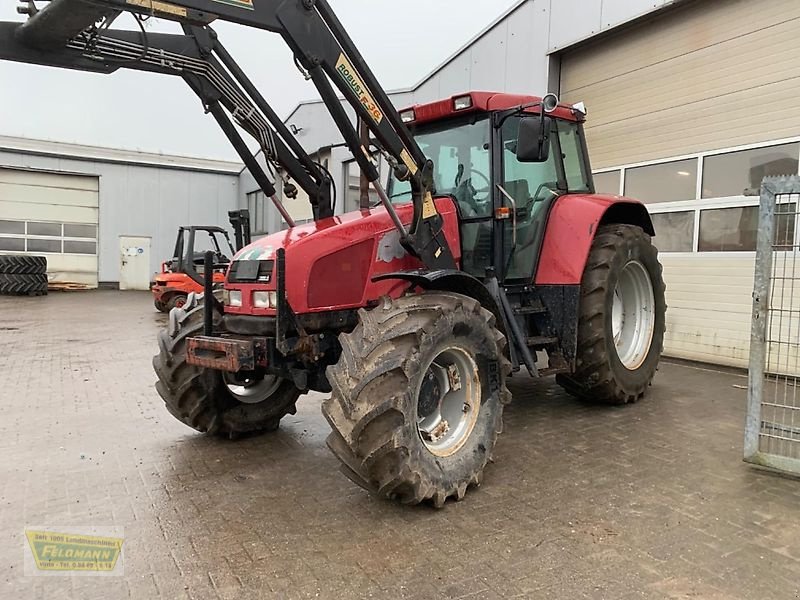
(330, 263)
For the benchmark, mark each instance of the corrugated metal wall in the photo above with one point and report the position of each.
(144, 201)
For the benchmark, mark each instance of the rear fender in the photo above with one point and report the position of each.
(571, 227)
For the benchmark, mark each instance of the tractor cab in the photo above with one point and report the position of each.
(504, 180)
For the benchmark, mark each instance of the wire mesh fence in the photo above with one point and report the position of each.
(772, 430)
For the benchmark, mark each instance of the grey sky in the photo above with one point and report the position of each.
(402, 41)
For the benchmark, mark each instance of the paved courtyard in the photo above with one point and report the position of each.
(646, 501)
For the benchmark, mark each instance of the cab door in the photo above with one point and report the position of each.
(530, 189)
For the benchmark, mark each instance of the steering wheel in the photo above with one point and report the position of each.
(468, 193)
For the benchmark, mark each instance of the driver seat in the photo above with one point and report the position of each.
(520, 191)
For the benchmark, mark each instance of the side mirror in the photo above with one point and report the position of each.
(533, 141)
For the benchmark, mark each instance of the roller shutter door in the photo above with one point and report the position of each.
(53, 215)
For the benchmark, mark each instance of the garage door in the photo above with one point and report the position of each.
(53, 215)
(687, 109)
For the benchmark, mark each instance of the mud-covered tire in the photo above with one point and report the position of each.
(23, 284)
(22, 264)
(200, 398)
(373, 408)
(160, 306)
(600, 376)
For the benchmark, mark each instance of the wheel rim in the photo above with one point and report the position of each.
(633, 315)
(448, 402)
(180, 302)
(251, 390)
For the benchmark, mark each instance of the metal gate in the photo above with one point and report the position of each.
(772, 429)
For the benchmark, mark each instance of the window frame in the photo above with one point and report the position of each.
(61, 238)
(699, 204)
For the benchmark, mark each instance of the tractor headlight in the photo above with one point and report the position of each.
(232, 298)
(265, 299)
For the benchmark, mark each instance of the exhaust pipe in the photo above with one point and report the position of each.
(57, 23)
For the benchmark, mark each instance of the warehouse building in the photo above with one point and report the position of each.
(690, 103)
(105, 216)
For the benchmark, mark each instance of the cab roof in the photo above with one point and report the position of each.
(482, 102)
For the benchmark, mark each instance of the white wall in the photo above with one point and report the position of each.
(144, 200)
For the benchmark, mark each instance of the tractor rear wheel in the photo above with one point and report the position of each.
(418, 397)
(622, 317)
(210, 401)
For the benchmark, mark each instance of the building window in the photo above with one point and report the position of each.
(732, 173)
(664, 182)
(352, 200)
(41, 245)
(48, 229)
(49, 237)
(72, 247)
(674, 231)
(74, 230)
(736, 229)
(10, 244)
(12, 227)
(607, 183)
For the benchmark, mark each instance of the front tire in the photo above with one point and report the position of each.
(418, 397)
(207, 400)
(622, 318)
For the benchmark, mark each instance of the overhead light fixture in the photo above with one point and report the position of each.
(462, 102)
(408, 116)
(684, 173)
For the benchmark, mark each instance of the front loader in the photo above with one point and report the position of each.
(488, 253)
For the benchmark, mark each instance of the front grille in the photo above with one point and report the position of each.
(251, 271)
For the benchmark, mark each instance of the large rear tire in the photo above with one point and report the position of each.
(622, 318)
(23, 284)
(209, 401)
(418, 397)
(16, 264)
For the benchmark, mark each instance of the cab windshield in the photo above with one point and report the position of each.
(463, 167)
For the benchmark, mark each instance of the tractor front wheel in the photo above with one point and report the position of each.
(418, 397)
(622, 316)
(209, 401)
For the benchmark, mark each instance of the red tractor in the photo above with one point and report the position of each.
(180, 275)
(489, 252)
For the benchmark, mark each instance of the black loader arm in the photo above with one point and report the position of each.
(74, 34)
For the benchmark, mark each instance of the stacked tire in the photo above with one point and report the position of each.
(22, 275)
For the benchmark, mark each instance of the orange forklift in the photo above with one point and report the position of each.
(184, 272)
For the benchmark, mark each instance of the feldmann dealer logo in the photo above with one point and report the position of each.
(54, 551)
